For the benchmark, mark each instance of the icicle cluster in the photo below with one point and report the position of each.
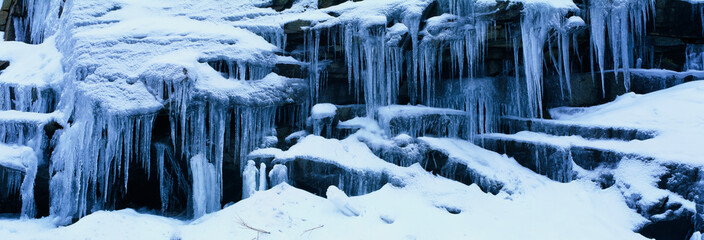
(26, 98)
(536, 25)
(90, 165)
(625, 21)
(240, 70)
(41, 16)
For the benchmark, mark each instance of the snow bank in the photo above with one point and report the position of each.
(550, 211)
(487, 164)
(673, 112)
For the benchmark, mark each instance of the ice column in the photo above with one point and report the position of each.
(278, 175)
(249, 180)
(206, 193)
(262, 177)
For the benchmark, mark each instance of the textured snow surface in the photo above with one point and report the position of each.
(108, 41)
(31, 65)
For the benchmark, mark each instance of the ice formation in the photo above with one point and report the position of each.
(695, 57)
(18, 170)
(249, 180)
(323, 115)
(212, 97)
(625, 21)
(278, 175)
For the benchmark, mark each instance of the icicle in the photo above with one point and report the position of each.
(12, 182)
(534, 34)
(278, 175)
(249, 180)
(251, 124)
(483, 111)
(25, 98)
(312, 45)
(564, 46)
(517, 85)
(164, 183)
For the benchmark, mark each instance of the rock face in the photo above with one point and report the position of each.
(6, 12)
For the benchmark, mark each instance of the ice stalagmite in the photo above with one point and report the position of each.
(249, 180)
(262, 177)
(278, 175)
(206, 194)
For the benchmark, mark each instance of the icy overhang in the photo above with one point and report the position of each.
(117, 98)
(273, 90)
(18, 158)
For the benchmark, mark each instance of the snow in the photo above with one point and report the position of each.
(323, 110)
(671, 112)
(366, 123)
(638, 178)
(348, 153)
(119, 98)
(409, 111)
(33, 68)
(485, 163)
(31, 65)
(575, 21)
(18, 158)
(116, 63)
(273, 90)
(552, 211)
(368, 13)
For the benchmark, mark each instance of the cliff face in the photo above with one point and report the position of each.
(184, 106)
